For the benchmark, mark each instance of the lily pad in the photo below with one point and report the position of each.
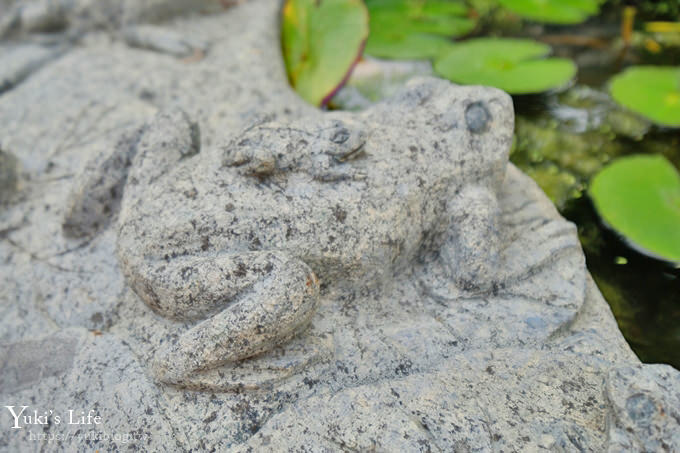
(409, 29)
(406, 47)
(322, 41)
(553, 11)
(639, 197)
(517, 66)
(652, 91)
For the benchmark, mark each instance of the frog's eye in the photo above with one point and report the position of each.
(343, 139)
(477, 118)
(340, 136)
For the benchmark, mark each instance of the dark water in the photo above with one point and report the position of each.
(643, 293)
(564, 139)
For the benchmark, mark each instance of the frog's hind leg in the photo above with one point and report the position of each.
(265, 299)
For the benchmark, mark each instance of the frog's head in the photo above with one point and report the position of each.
(469, 128)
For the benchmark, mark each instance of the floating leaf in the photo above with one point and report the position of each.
(553, 11)
(322, 40)
(652, 91)
(639, 196)
(414, 29)
(406, 47)
(517, 66)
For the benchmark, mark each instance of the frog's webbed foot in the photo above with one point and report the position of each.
(472, 249)
(324, 149)
(140, 155)
(253, 302)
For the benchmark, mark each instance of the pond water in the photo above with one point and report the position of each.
(643, 293)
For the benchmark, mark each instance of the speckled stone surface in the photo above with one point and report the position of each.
(202, 261)
(8, 176)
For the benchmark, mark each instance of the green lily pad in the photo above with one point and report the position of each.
(409, 29)
(639, 197)
(652, 91)
(322, 41)
(406, 47)
(553, 11)
(517, 66)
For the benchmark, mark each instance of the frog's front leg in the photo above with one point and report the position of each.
(253, 302)
(140, 155)
(95, 197)
(472, 247)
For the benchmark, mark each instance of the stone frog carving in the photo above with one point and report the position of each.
(239, 237)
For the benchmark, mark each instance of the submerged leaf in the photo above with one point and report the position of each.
(639, 197)
(322, 40)
(406, 47)
(517, 66)
(415, 29)
(652, 91)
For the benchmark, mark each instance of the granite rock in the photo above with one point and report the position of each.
(645, 405)
(26, 16)
(8, 176)
(19, 61)
(452, 312)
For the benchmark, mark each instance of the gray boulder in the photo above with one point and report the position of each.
(201, 261)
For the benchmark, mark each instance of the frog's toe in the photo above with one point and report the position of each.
(168, 369)
(478, 275)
